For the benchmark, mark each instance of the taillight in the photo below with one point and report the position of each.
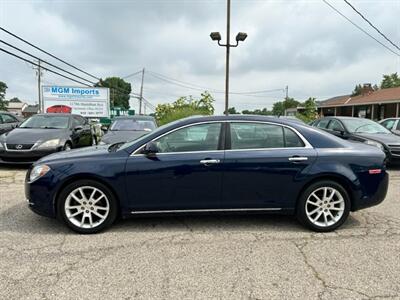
(375, 171)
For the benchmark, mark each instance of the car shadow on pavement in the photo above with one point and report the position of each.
(20, 219)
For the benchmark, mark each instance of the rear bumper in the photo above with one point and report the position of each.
(24, 157)
(374, 198)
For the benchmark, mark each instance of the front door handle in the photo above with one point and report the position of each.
(208, 162)
(298, 158)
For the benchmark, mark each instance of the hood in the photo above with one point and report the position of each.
(381, 137)
(112, 137)
(76, 153)
(31, 135)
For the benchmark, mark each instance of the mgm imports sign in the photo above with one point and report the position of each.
(90, 102)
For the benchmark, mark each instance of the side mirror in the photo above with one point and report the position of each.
(78, 128)
(150, 149)
(104, 128)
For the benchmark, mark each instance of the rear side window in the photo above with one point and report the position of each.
(292, 139)
(261, 136)
(323, 123)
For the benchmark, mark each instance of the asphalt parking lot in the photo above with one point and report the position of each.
(230, 257)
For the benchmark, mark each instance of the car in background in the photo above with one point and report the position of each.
(365, 131)
(128, 128)
(392, 124)
(8, 121)
(212, 164)
(61, 109)
(44, 134)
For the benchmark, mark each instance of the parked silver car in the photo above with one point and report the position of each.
(8, 121)
(393, 124)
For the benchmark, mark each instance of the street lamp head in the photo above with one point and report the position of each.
(215, 36)
(241, 36)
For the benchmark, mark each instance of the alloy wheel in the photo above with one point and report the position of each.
(87, 207)
(325, 206)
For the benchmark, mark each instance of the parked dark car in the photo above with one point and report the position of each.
(392, 124)
(8, 121)
(234, 164)
(364, 131)
(128, 128)
(44, 134)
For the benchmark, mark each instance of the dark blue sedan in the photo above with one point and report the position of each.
(211, 165)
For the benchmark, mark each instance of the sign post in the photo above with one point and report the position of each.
(90, 102)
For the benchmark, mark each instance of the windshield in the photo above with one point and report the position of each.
(359, 125)
(132, 125)
(42, 121)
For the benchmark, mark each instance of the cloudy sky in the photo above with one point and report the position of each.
(302, 44)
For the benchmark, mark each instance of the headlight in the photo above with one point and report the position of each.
(1, 146)
(376, 144)
(101, 143)
(50, 144)
(38, 171)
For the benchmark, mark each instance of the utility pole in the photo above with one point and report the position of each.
(287, 92)
(39, 74)
(141, 94)
(240, 37)
(228, 39)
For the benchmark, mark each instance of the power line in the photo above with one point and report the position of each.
(131, 75)
(50, 64)
(44, 68)
(36, 47)
(354, 24)
(202, 88)
(372, 25)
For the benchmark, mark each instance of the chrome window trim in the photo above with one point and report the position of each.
(139, 212)
(307, 145)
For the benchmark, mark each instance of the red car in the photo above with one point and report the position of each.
(61, 109)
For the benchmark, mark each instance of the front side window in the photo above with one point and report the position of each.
(335, 125)
(323, 123)
(8, 119)
(203, 137)
(389, 124)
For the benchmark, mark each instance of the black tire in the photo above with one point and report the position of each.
(303, 206)
(109, 196)
(67, 146)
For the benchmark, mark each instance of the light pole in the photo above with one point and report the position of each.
(240, 37)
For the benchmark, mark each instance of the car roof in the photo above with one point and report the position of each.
(59, 114)
(194, 119)
(138, 117)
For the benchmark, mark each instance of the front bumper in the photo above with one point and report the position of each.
(24, 157)
(40, 195)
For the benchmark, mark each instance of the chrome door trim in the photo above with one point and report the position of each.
(300, 158)
(307, 145)
(142, 212)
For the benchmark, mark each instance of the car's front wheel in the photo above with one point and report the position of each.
(87, 206)
(323, 206)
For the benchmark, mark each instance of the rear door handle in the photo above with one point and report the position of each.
(207, 162)
(298, 158)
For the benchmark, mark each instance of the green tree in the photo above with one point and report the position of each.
(15, 100)
(278, 109)
(232, 111)
(3, 88)
(310, 110)
(263, 112)
(390, 81)
(357, 90)
(120, 91)
(184, 107)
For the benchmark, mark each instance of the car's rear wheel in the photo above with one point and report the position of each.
(323, 206)
(87, 206)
